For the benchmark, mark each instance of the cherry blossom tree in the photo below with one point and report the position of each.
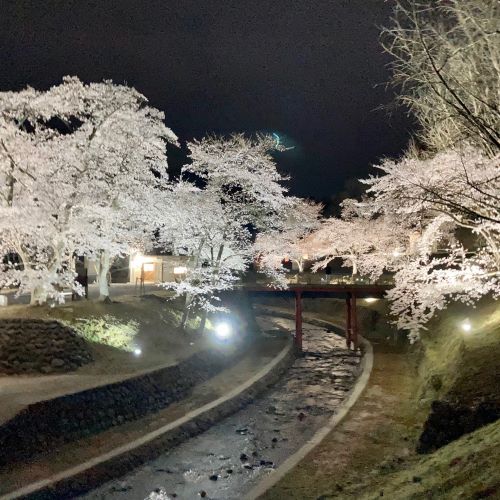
(216, 244)
(365, 241)
(34, 219)
(289, 241)
(242, 193)
(446, 64)
(452, 202)
(123, 162)
(82, 164)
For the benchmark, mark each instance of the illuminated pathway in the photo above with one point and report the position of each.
(226, 461)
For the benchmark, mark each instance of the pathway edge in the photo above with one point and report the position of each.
(293, 460)
(59, 483)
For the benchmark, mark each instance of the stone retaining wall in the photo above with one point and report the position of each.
(47, 424)
(39, 346)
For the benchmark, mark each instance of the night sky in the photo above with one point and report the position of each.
(312, 71)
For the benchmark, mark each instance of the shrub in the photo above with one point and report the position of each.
(108, 330)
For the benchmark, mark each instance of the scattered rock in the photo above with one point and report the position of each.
(213, 477)
(57, 363)
(243, 457)
(121, 487)
(266, 463)
(203, 494)
(436, 382)
(229, 471)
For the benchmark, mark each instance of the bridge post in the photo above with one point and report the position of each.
(348, 320)
(298, 320)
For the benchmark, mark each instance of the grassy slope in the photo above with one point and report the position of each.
(157, 330)
(466, 364)
(467, 468)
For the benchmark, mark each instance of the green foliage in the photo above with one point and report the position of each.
(108, 330)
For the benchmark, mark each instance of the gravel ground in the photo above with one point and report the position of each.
(230, 458)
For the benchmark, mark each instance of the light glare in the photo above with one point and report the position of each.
(137, 261)
(466, 326)
(223, 330)
(137, 351)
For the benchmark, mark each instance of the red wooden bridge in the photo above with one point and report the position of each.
(347, 288)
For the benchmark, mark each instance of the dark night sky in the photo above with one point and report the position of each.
(311, 70)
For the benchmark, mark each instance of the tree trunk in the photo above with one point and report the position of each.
(203, 321)
(104, 266)
(354, 267)
(187, 303)
(185, 312)
(204, 313)
(38, 296)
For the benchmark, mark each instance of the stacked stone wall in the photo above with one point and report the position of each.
(39, 346)
(46, 425)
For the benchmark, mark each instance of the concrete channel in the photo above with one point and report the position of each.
(237, 457)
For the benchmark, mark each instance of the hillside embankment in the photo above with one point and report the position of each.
(427, 425)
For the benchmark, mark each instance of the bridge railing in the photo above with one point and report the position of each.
(307, 278)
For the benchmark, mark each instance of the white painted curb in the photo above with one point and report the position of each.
(151, 436)
(292, 461)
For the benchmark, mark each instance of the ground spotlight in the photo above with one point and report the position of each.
(369, 300)
(137, 351)
(466, 326)
(223, 330)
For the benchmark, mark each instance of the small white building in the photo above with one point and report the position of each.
(157, 268)
(149, 268)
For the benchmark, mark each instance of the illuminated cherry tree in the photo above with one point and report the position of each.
(446, 62)
(363, 241)
(35, 222)
(81, 165)
(242, 193)
(289, 242)
(452, 200)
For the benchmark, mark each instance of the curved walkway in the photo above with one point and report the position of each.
(353, 460)
(87, 462)
(229, 459)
